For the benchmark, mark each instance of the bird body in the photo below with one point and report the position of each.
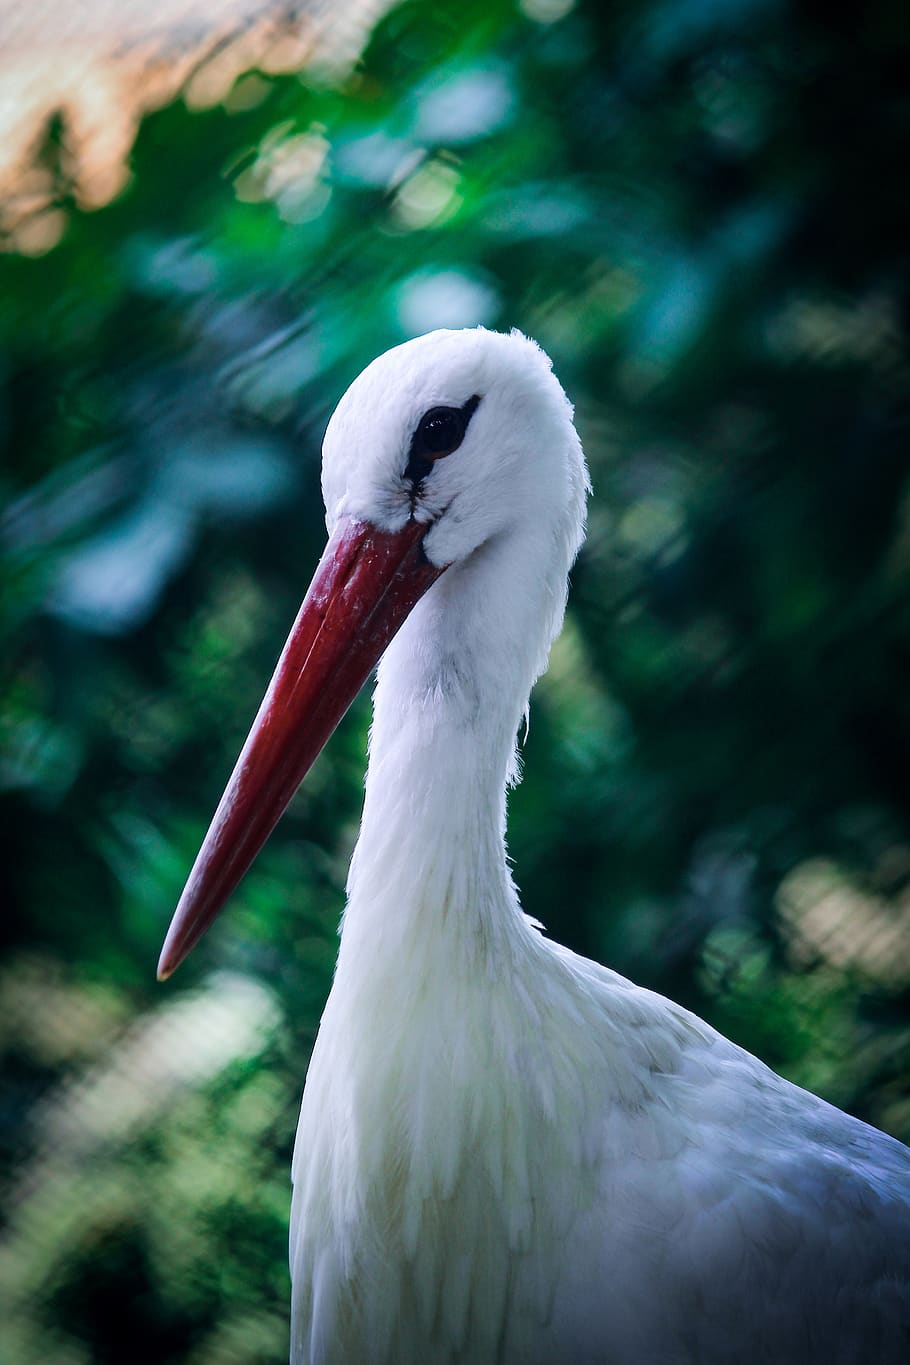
(507, 1153)
(591, 1175)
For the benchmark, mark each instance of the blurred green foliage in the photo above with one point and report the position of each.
(701, 211)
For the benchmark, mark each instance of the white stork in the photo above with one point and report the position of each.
(508, 1153)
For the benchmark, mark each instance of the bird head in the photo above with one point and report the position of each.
(467, 432)
(445, 445)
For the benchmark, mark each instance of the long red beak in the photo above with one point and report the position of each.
(366, 583)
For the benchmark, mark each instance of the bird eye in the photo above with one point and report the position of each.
(440, 431)
(437, 434)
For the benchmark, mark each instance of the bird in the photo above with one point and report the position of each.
(507, 1152)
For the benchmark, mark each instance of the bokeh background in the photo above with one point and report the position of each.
(211, 221)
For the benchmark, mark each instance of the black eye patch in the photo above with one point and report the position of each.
(437, 434)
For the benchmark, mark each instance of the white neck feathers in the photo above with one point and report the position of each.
(430, 866)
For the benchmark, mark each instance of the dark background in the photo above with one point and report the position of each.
(701, 212)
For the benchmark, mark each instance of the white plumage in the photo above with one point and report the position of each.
(508, 1153)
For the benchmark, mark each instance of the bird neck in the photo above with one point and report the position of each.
(430, 869)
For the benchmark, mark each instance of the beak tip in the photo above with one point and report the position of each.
(169, 961)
